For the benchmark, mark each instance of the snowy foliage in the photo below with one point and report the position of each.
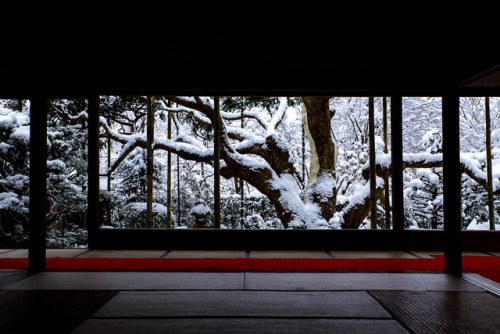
(254, 129)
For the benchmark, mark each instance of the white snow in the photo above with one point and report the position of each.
(200, 210)
(416, 183)
(4, 147)
(10, 119)
(304, 215)
(429, 175)
(142, 206)
(8, 199)
(475, 225)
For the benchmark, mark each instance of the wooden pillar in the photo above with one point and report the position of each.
(169, 173)
(397, 163)
(93, 171)
(452, 205)
(149, 161)
(387, 203)
(38, 184)
(217, 121)
(489, 173)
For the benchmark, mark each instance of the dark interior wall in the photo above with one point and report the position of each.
(302, 62)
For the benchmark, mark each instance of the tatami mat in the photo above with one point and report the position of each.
(140, 280)
(22, 253)
(205, 254)
(240, 326)
(371, 254)
(15, 253)
(356, 281)
(123, 254)
(428, 254)
(296, 304)
(443, 311)
(86, 253)
(263, 281)
(289, 254)
(66, 252)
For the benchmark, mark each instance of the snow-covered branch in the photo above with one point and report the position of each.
(469, 166)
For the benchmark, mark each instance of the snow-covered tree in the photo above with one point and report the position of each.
(264, 154)
(14, 179)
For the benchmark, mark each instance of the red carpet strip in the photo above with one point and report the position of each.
(487, 266)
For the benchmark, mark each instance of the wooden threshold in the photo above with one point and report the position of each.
(214, 239)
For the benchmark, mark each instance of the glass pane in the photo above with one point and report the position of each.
(67, 180)
(267, 178)
(350, 126)
(473, 157)
(14, 173)
(422, 155)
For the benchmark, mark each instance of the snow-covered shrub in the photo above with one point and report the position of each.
(14, 176)
(73, 236)
(254, 222)
(133, 215)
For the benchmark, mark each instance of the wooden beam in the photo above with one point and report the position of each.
(489, 177)
(149, 161)
(452, 184)
(373, 176)
(93, 170)
(387, 203)
(397, 163)
(242, 239)
(38, 184)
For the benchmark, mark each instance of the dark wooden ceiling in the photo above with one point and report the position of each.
(257, 64)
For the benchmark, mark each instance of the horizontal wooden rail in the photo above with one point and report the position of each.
(239, 239)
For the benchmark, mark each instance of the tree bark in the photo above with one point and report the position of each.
(324, 152)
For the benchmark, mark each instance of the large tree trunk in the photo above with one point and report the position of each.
(321, 187)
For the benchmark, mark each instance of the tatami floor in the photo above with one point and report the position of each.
(85, 253)
(245, 301)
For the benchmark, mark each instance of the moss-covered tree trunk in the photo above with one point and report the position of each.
(321, 188)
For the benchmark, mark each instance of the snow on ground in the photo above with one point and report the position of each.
(477, 225)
